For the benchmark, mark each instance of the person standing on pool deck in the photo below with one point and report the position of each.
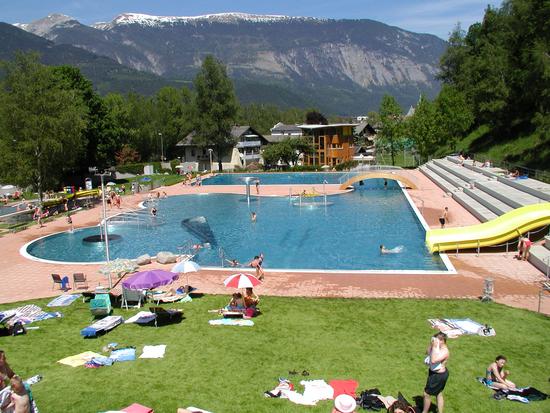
(438, 354)
(258, 187)
(444, 218)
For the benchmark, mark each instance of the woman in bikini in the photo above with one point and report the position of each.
(496, 376)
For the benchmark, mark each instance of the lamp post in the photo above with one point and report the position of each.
(104, 209)
(210, 150)
(161, 148)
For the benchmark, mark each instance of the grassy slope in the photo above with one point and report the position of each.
(380, 343)
(527, 150)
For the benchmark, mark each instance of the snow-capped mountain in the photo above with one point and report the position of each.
(343, 63)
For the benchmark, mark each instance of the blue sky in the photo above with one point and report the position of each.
(424, 16)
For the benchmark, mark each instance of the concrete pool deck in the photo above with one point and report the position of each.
(517, 283)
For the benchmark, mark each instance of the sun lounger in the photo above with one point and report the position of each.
(101, 326)
(137, 408)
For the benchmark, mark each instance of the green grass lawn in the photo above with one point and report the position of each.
(379, 343)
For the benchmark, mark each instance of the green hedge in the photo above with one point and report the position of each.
(137, 168)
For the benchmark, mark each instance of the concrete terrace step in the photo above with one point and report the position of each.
(507, 194)
(489, 172)
(495, 205)
(453, 179)
(440, 182)
(539, 256)
(475, 208)
(463, 173)
(531, 186)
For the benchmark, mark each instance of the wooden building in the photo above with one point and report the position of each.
(333, 143)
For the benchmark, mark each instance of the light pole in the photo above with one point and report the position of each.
(210, 150)
(161, 148)
(105, 229)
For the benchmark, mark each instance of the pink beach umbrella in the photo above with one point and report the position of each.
(241, 280)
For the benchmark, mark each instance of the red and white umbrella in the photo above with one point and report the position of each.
(241, 280)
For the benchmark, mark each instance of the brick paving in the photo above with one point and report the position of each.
(517, 283)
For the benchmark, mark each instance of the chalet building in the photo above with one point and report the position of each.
(245, 151)
(333, 143)
(280, 132)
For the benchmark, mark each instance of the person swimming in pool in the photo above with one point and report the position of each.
(394, 250)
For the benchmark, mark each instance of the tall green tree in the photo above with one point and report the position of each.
(101, 143)
(41, 124)
(455, 115)
(215, 108)
(391, 117)
(288, 151)
(424, 128)
(172, 109)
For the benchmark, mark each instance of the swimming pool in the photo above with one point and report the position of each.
(342, 236)
(294, 178)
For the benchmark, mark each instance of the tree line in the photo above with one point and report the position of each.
(53, 125)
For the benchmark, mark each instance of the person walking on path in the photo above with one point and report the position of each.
(444, 218)
(438, 354)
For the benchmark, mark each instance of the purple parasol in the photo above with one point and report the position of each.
(146, 280)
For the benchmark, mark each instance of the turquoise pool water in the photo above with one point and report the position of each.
(342, 236)
(276, 178)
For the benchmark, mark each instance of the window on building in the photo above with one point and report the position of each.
(192, 152)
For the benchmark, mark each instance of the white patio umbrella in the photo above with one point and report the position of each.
(185, 267)
(111, 183)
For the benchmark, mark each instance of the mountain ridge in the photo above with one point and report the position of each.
(328, 58)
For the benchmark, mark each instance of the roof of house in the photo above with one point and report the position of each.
(281, 127)
(330, 125)
(236, 132)
(364, 128)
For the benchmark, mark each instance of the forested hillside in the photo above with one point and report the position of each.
(502, 66)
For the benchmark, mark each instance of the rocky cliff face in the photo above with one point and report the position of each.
(352, 56)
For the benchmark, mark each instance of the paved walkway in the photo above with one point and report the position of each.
(516, 282)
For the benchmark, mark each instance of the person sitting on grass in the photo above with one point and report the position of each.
(19, 400)
(5, 371)
(496, 376)
(251, 300)
(236, 303)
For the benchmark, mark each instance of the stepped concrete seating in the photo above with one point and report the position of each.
(463, 173)
(436, 174)
(507, 194)
(531, 186)
(443, 184)
(493, 204)
(475, 208)
(449, 177)
(539, 256)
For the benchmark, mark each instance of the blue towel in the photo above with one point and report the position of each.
(123, 354)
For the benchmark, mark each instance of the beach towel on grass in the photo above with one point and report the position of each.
(79, 359)
(123, 354)
(28, 314)
(143, 317)
(153, 352)
(63, 300)
(455, 327)
(105, 324)
(231, 322)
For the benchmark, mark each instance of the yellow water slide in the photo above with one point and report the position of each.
(497, 231)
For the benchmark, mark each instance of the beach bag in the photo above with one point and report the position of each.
(17, 329)
(368, 400)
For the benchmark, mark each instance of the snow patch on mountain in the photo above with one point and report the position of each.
(159, 21)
